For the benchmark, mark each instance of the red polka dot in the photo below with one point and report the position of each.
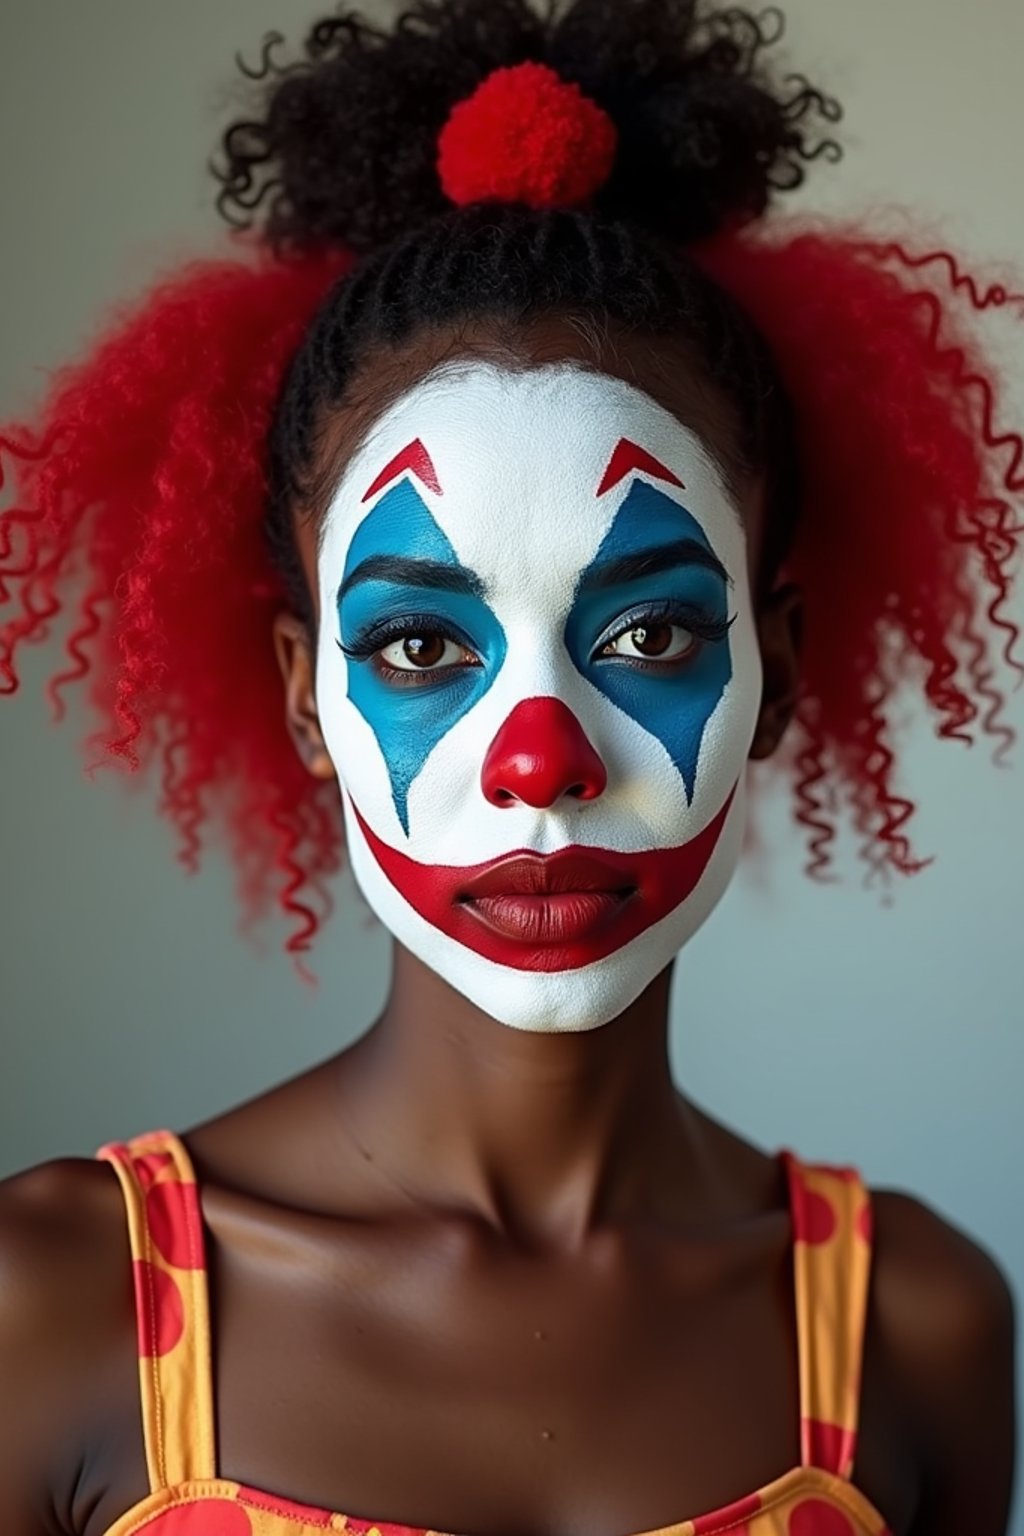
(829, 1446)
(148, 1165)
(817, 1517)
(732, 1512)
(274, 1505)
(865, 1222)
(814, 1219)
(201, 1518)
(175, 1225)
(159, 1310)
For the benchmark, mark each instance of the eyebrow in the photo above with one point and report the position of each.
(434, 575)
(649, 562)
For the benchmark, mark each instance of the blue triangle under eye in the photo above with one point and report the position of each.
(409, 722)
(674, 708)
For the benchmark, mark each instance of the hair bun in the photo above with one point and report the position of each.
(526, 136)
(344, 144)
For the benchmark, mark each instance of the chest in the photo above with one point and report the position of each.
(439, 1382)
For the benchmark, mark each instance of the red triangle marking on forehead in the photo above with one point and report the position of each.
(414, 457)
(629, 457)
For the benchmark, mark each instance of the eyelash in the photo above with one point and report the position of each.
(368, 646)
(703, 625)
(410, 626)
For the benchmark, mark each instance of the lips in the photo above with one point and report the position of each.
(538, 874)
(548, 899)
(550, 912)
(549, 919)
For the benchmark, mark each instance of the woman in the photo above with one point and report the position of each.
(579, 496)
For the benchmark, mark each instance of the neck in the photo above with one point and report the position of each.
(544, 1137)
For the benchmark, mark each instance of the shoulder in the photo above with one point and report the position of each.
(62, 1240)
(939, 1295)
(942, 1309)
(66, 1312)
(61, 1224)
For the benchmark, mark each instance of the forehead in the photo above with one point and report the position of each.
(523, 470)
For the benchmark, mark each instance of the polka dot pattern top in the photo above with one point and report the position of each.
(831, 1216)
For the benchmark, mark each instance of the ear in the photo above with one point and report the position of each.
(294, 651)
(780, 632)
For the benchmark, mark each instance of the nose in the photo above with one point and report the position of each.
(540, 754)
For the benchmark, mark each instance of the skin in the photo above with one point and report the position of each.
(534, 1248)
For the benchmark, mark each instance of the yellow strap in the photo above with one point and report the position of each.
(172, 1306)
(832, 1261)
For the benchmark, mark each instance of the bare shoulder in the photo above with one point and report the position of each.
(66, 1319)
(940, 1295)
(62, 1233)
(943, 1310)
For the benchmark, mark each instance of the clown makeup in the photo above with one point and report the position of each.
(538, 678)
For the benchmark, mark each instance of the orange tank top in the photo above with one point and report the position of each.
(831, 1219)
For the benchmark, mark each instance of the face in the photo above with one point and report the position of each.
(539, 680)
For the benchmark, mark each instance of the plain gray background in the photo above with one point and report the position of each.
(890, 1037)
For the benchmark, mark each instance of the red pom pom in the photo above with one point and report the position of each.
(526, 136)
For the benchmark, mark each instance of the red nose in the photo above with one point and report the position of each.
(540, 754)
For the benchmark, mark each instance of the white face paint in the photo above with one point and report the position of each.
(541, 586)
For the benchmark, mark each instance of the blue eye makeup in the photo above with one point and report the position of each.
(656, 566)
(403, 581)
(414, 653)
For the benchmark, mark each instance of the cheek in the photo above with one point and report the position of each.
(728, 734)
(675, 708)
(408, 724)
(348, 737)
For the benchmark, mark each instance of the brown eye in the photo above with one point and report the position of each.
(424, 650)
(652, 639)
(425, 653)
(657, 641)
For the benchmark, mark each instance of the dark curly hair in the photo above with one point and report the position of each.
(345, 151)
(345, 148)
(172, 462)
